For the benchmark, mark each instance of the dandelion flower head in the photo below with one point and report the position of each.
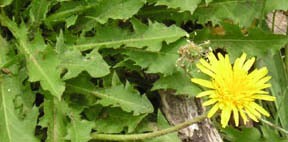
(234, 88)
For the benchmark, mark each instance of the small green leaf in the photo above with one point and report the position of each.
(75, 63)
(178, 81)
(70, 21)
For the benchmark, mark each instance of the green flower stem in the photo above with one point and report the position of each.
(118, 137)
(274, 126)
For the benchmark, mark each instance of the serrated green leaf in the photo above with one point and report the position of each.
(220, 10)
(125, 97)
(150, 36)
(114, 120)
(115, 9)
(39, 9)
(75, 63)
(163, 14)
(67, 9)
(163, 61)
(42, 61)
(54, 119)
(162, 123)
(183, 5)
(255, 43)
(13, 129)
(78, 130)
(179, 82)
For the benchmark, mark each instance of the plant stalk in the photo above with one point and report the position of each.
(119, 137)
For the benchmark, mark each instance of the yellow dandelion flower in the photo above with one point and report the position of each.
(233, 88)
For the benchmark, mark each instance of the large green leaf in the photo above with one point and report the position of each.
(125, 97)
(150, 36)
(178, 81)
(12, 128)
(255, 42)
(220, 10)
(114, 120)
(163, 61)
(183, 5)
(42, 61)
(115, 9)
(54, 119)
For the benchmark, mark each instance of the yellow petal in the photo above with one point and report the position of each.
(205, 70)
(212, 58)
(243, 115)
(210, 102)
(258, 74)
(251, 115)
(221, 57)
(202, 82)
(260, 109)
(225, 116)
(264, 97)
(206, 64)
(264, 80)
(213, 110)
(235, 115)
(253, 111)
(205, 93)
(249, 64)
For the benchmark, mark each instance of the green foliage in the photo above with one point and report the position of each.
(220, 10)
(70, 68)
(13, 128)
(185, 5)
(255, 42)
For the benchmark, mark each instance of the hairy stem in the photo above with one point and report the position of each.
(116, 137)
(274, 126)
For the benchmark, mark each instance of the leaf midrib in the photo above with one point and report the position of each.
(100, 95)
(91, 45)
(5, 111)
(23, 43)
